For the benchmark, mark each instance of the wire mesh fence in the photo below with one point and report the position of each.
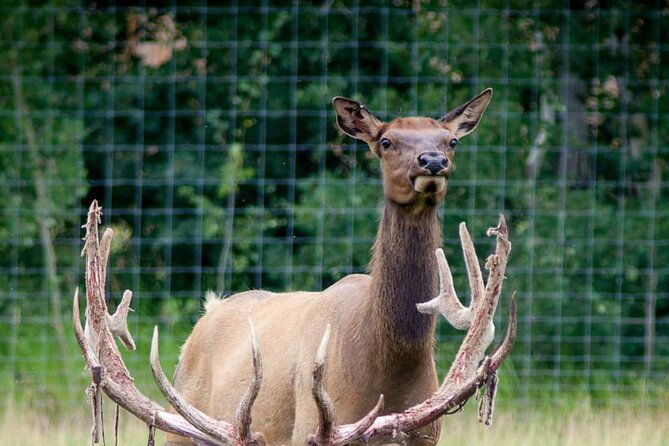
(207, 135)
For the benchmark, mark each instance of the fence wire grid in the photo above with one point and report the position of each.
(207, 135)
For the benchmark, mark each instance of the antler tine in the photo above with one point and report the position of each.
(473, 268)
(118, 322)
(503, 350)
(328, 433)
(91, 239)
(326, 413)
(222, 433)
(244, 418)
(103, 252)
(496, 263)
(447, 303)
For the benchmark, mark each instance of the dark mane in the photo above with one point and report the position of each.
(404, 273)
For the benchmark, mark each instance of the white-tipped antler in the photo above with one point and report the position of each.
(447, 302)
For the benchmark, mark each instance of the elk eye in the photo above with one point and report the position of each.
(452, 143)
(385, 143)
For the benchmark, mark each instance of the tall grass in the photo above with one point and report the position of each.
(627, 425)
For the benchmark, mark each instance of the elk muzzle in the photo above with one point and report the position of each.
(433, 172)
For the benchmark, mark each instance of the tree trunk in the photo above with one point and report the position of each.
(42, 211)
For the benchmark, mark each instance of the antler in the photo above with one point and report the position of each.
(110, 374)
(328, 433)
(470, 371)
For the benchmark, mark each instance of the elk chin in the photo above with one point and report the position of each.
(429, 184)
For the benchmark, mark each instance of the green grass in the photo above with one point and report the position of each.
(580, 424)
(627, 425)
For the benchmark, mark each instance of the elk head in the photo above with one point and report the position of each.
(416, 153)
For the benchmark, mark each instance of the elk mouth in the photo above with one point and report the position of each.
(429, 184)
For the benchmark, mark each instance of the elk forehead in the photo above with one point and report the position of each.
(418, 138)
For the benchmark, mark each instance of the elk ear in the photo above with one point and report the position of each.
(355, 120)
(464, 119)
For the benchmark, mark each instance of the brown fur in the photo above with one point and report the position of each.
(380, 343)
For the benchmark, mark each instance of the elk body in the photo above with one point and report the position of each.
(379, 343)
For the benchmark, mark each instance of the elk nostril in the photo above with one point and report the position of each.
(444, 162)
(422, 160)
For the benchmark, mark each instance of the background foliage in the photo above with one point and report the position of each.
(207, 135)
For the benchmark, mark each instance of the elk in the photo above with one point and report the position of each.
(379, 383)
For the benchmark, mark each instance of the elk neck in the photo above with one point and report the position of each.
(404, 273)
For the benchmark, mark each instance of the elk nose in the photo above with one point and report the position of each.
(432, 161)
